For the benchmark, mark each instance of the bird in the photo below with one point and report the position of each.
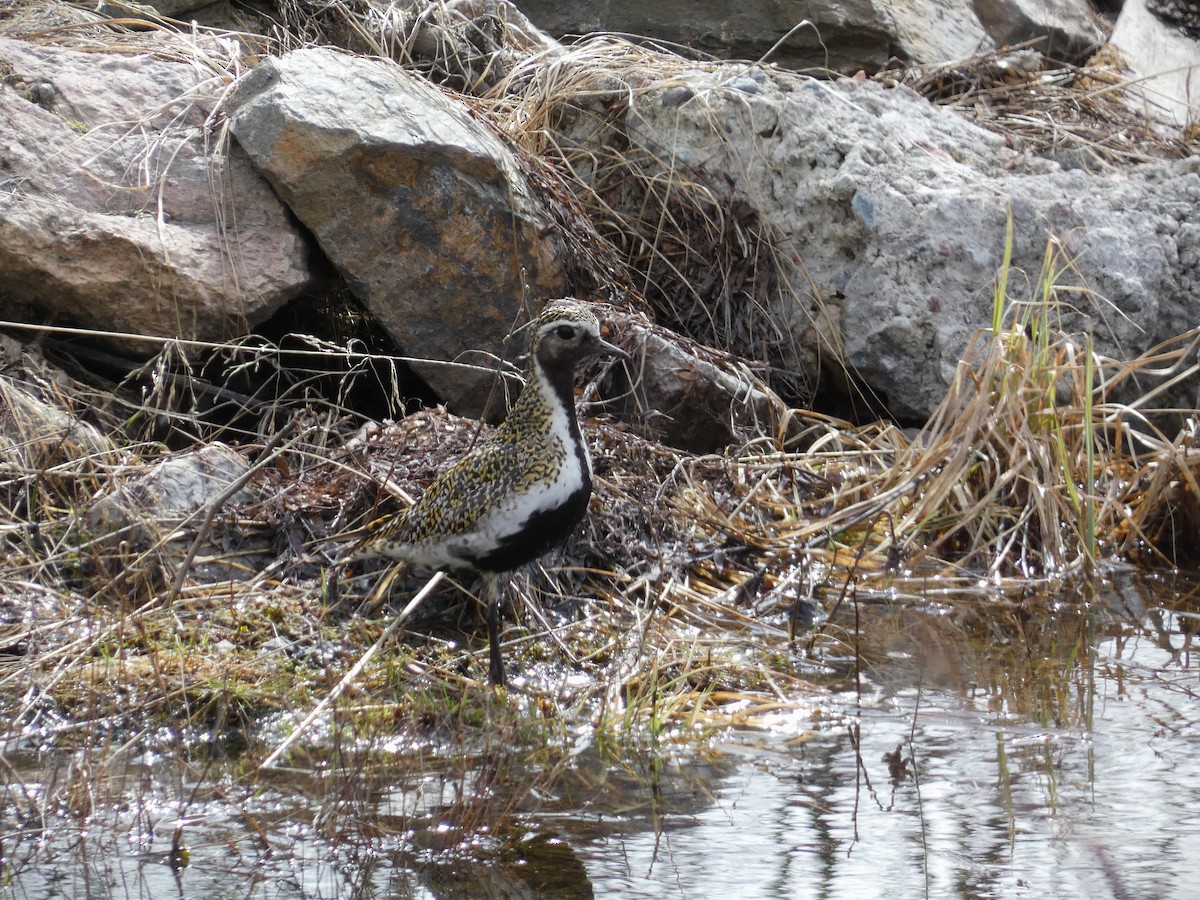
(516, 495)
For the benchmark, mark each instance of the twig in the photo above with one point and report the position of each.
(349, 677)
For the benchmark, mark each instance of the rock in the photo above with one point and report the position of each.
(931, 31)
(174, 489)
(687, 396)
(421, 207)
(36, 435)
(1071, 28)
(1159, 43)
(469, 45)
(119, 208)
(145, 524)
(844, 35)
(855, 34)
(891, 213)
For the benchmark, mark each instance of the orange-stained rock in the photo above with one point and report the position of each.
(420, 206)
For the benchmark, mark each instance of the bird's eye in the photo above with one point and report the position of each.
(566, 332)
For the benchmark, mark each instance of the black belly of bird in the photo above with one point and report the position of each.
(541, 531)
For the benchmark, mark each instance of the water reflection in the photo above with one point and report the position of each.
(997, 752)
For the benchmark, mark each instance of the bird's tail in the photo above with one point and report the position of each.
(365, 539)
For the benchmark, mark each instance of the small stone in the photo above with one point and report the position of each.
(43, 94)
(677, 95)
(277, 644)
(843, 186)
(744, 84)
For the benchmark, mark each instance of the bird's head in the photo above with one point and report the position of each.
(566, 333)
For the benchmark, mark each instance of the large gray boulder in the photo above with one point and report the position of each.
(843, 35)
(119, 208)
(423, 209)
(1158, 42)
(891, 215)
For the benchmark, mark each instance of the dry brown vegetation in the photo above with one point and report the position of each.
(686, 600)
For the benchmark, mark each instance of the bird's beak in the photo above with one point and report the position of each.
(604, 348)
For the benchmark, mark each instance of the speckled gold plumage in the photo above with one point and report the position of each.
(510, 462)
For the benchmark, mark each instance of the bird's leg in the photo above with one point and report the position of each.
(494, 594)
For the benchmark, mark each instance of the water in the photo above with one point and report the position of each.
(1082, 783)
(982, 750)
(1061, 817)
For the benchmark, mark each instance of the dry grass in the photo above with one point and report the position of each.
(679, 607)
(706, 262)
(1044, 107)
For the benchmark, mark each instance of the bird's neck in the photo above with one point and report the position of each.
(547, 388)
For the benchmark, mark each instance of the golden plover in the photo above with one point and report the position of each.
(515, 496)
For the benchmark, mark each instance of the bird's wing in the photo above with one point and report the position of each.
(478, 482)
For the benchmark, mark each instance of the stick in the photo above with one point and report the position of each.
(349, 677)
